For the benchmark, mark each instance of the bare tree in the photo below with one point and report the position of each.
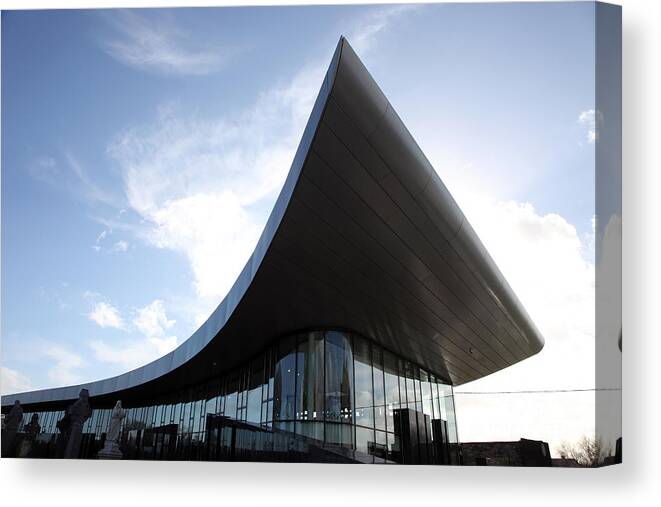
(588, 451)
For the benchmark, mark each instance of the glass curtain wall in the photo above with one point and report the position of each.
(327, 389)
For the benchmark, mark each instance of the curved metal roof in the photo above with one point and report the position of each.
(365, 236)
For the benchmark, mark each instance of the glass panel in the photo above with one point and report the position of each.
(311, 429)
(176, 414)
(391, 388)
(339, 434)
(149, 418)
(363, 383)
(185, 417)
(418, 389)
(306, 379)
(94, 420)
(255, 391)
(365, 441)
(269, 411)
(410, 391)
(427, 409)
(379, 388)
(380, 449)
(158, 418)
(270, 359)
(242, 398)
(447, 402)
(436, 407)
(213, 392)
(310, 377)
(339, 377)
(197, 416)
(285, 380)
(232, 394)
(452, 421)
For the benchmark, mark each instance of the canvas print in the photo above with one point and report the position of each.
(373, 234)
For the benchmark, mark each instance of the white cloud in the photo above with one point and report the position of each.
(152, 42)
(131, 355)
(363, 35)
(152, 322)
(195, 181)
(64, 364)
(102, 235)
(120, 246)
(543, 259)
(192, 180)
(106, 315)
(11, 381)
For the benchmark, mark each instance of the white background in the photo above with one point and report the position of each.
(636, 482)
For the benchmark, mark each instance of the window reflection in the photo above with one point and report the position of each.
(256, 379)
(310, 377)
(285, 384)
(339, 377)
(379, 389)
(364, 413)
(232, 393)
(331, 389)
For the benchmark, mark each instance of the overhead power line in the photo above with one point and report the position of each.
(542, 391)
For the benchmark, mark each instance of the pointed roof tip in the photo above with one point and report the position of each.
(343, 43)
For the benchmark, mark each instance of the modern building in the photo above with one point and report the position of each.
(521, 453)
(367, 298)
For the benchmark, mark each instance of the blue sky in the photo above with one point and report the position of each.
(142, 151)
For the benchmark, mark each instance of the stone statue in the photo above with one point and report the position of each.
(111, 448)
(26, 448)
(63, 426)
(14, 417)
(12, 422)
(78, 413)
(33, 428)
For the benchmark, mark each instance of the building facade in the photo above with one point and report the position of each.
(367, 298)
(521, 453)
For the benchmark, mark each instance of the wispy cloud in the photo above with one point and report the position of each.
(55, 296)
(153, 42)
(45, 170)
(193, 180)
(106, 315)
(67, 173)
(97, 244)
(153, 324)
(86, 187)
(196, 181)
(120, 246)
(364, 34)
(12, 381)
(64, 365)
